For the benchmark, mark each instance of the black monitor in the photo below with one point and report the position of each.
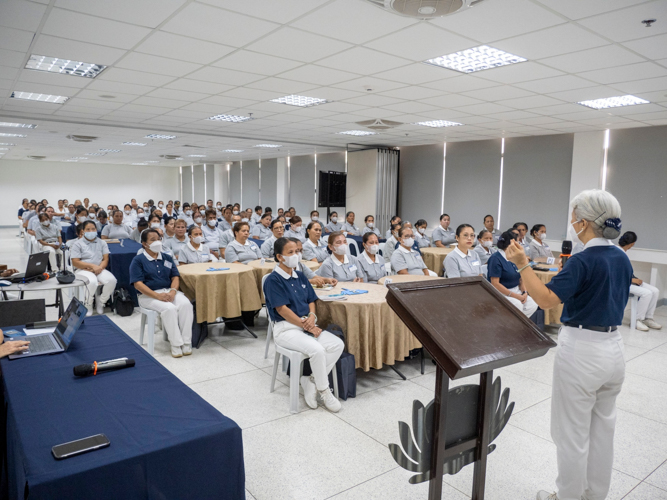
(332, 189)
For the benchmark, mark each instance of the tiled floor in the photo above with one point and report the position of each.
(319, 455)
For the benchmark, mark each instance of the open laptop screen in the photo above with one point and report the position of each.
(71, 321)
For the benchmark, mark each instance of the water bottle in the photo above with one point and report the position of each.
(263, 261)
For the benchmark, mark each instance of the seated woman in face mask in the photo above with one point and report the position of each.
(334, 223)
(370, 261)
(339, 265)
(485, 248)
(296, 229)
(405, 259)
(420, 235)
(195, 251)
(538, 248)
(369, 220)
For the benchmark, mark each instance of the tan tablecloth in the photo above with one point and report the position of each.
(433, 257)
(269, 265)
(551, 316)
(373, 332)
(220, 293)
(405, 278)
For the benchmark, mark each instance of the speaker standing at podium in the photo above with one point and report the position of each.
(589, 368)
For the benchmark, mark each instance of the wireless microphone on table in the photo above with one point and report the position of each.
(566, 251)
(103, 366)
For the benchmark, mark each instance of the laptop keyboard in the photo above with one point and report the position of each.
(40, 344)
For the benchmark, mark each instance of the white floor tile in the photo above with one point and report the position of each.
(645, 491)
(659, 477)
(644, 396)
(652, 364)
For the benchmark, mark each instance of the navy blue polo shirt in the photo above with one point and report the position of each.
(499, 267)
(154, 273)
(594, 286)
(294, 292)
(70, 232)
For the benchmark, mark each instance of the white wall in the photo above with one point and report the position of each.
(362, 183)
(102, 184)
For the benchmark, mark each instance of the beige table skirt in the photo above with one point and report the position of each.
(220, 293)
(433, 257)
(268, 266)
(373, 332)
(551, 316)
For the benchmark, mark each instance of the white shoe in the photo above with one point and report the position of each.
(330, 401)
(99, 306)
(176, 351)
(650, 322)
(309, 392)
(641, 326)
(545, 495)
(187, 349)
(90, 309)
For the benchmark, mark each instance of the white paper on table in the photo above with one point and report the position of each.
(38, 331)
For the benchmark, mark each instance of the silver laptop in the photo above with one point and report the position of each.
(61, 338)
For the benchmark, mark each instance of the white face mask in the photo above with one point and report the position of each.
(155, 225)
(373, 249)
(81, 218)
(245, 219)
(141, 215)
(340, 250)
(198, 220)
(487, 243)
(288, 219)
(572, 233)
(156, 246)
(235, 212)
(188, 212)
(161, 205)
(300, 255)
(542, 236)
(211, 223)
(370, 225)
(198, 240)
(333, 219)
(46, 223)
(421, 230)
(128, 212)
(91, 216)
(296, 229)
(408, 242)
(314, 218)
(90, 235)
(291, 261)
(202, 211)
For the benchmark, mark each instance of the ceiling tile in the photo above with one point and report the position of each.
(497, 93)
(626, 24)
(226, 76)
(585, 94)
(654, 47)
(521, 72)
(530, 102)
(453, 101)
(155, 64)
(491, 21)
(353, 21)
(576, 9)
(13, 39)
(245, 60)
(41, 88)
(21, 15)
(48, 79)
(278, 11)
(591, 59)
(413, 93)
(369, 82)
(551, 41)
(555, 84)
(217, 25)
(484, 108)
(130, 76)
(46, 45)
(177, 95)
(198, 86)
(638, 86)
(251, 94)
(148, 13)
(93, 29)
(159, 102)
(557, 110)
(461, 83)
(221, 101)
(11, 58)
(109, 87)
(281, 86)
(625, 73)
(421, 42)
(164, 44)
(417, 73)
(297, 44)
(318, 75)
(410, 107)
(95, 95)
(373, 100)
(363, 61)
(93, 104)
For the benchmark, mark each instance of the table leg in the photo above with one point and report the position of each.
(59, 302)
(397, 372)
(439, 434)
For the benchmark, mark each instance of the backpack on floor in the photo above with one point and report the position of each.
(122, 302)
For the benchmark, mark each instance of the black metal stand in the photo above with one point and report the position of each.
(232, 320)
(397, 372)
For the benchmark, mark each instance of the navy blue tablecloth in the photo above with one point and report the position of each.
(120, 258)
(166, 441)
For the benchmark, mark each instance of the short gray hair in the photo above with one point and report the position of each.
(598, 207)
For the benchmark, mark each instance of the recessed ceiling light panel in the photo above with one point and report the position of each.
(268, 145)
(300, 100)
(196, 156)
(438, 123)
(140, 164)
(110, 150)
(18, 125)
(231, 118)
(64, 66)
(233, 150)
(476, 59)
(160, 136)
(614, 102)
(2, 134)
(7, 144)
(134, 144)
(32, 96)
(357, 132)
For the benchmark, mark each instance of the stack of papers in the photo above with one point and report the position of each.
(331, 298)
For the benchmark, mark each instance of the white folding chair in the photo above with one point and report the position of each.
(354, 249)
(634, 300)
(381, 252)
(150, 317)
(269, 330)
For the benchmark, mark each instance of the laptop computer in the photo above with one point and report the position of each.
(61, 338)
(37, 263)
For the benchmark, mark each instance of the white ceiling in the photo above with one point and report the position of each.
(174, 63)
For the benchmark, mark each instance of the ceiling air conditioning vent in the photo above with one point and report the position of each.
(171, 157)
(425, 9)
(379, 124)
(36, 157)
(81, 138)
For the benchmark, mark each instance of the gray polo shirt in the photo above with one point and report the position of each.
(301, 235)
(536, 250)
(389, 248)
(375, 231)
(267, 247)
(260, 232)
(310, 251)
(226, 237)
(445, 236)
(188, 254)
(342, 271)
(90, 252)
(372, 271)
(48, 234)
(174, 245)
(332, 227)
(307, 272)
(351, 229)
(116, 231)
(483, 254)
(407, 259)
(236, 252)
(460, 265)
(422, 240)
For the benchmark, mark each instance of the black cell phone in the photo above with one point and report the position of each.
(80, 446)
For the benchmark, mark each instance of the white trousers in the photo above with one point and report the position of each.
(648, 299)
(105, 278)
(323, 351)
(589, 370)
(177, 316)
(528, 308)
(52, 256)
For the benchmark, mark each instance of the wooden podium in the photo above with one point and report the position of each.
(469, 328)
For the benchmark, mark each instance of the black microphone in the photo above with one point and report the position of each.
(102, 366)
(566, 251)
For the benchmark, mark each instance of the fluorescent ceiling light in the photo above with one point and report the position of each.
(6, 144)
(357, 132)
(140, 164)
(160, 136)
(299, 100)
(233, 151)
(31, 96)
(2, 134)
(20, 125)
(196, 156)
(231, 118)
(4, 149)
(614, 102)
(268, 145)
(64, 66)
(72, 160)
(151, 161)
(95, 154)
(438, 123)
(110, 150)
(79, 158)
(476, 59)
(134, 144)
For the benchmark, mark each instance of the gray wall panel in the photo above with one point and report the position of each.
(420, 183)
(210, 182)
(302, 184)
(235, 183)
(269, 183)
(200, 196)
(186, 178)
(250, 188)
